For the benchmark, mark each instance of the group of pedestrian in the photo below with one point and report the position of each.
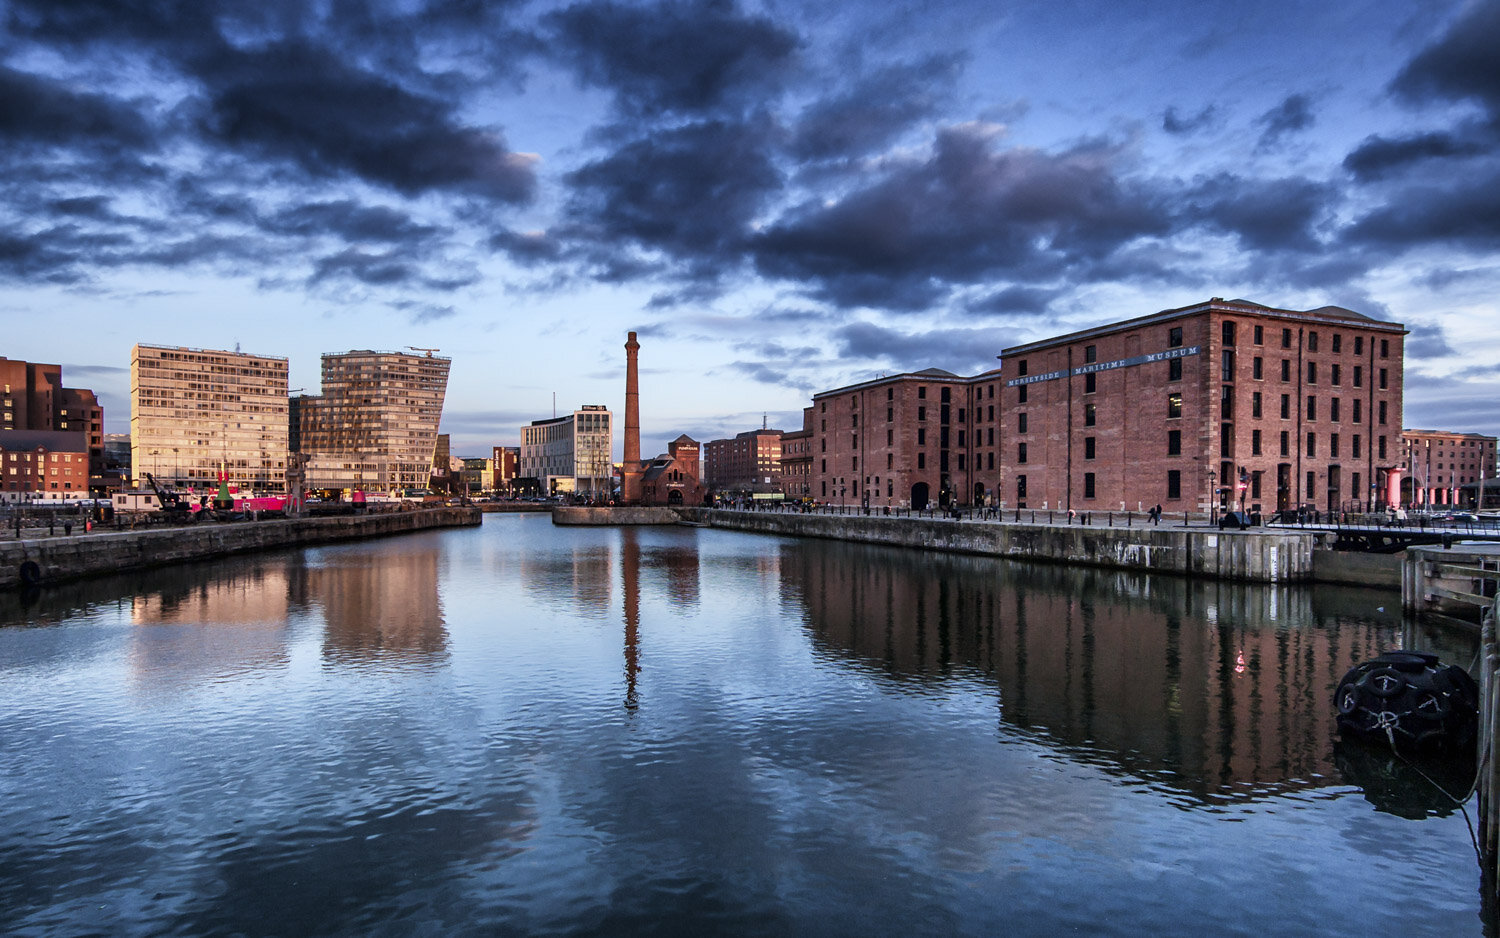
(1154, 513)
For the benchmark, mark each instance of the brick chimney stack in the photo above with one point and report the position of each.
(630, 468)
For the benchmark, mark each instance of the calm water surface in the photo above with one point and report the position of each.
(517, 729)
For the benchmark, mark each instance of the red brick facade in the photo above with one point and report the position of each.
(672, 478)
(908, 441)
(748, 459)
(1441, 464)
(1272, 408)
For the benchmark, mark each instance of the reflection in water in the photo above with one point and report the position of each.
(1215, 689)
(379, 606)
(808, 738)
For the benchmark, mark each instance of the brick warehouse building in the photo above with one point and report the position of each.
(1273, 408)
(908, 440)
(743, 462)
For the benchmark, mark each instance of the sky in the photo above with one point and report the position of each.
(780, 198)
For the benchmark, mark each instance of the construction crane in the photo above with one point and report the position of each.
(429, 351)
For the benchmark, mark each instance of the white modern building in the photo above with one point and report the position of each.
(570, 454)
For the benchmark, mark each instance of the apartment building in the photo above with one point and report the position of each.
(1221, 404)
(375, 426)
(743, 462)
(195, 413)
(35, 400)
(796, 459)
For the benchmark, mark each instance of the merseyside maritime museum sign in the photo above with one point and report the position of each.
(1093, 367)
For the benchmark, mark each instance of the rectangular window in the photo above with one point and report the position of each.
(890, 460)
(1254, 442)
(1359, 345)
(1021, 453)
(1226, 440)
(991, 460)
(1089, 415)
(1257, 368)
(921, 460)
(854, 463)
(890, 438)
(1338, 342)
(1255, 405)
(1090, 354)
(1381, 406)
(1354, 445)
(890, 414)
(1286, 369)
(1359, 376)
(1088, 485)
(1333, 446)
(1335, 375)
(1226, 361)
(1286, 338)
(1255, 484)
(1021, 423)
(1090, 385)
(1174, 442)
(1312, 446)
(1227, 333)
(1088, 447)
(1382, 379)
(1312, 341)
(1021, 394)
(1174, 337)
(1174, 369)
(1333, 410)
(1174, 484)
(1174, 405)
(1226, 402)
(1385, 348)
(1286, 407)
(921, 436)
(1260, 335)
(1312, 372)
(921, 413)
(1286, 443)
(1021, 485)
(1382, 448)
(1312, 407)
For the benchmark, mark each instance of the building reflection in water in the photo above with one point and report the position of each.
(1218, 690)
(193, 628)
(379, 607)
(630, 588)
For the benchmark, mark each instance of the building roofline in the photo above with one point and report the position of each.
(209, 351)
(926, 374)
(1322, 315)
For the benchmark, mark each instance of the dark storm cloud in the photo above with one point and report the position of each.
(1017, 299)
(1427, 340)
(526, 248)
(690, 191)
(1461, 65)
(1377, 157)
(687, 56)
(1265, 214)
(962, 351)
(1461, 210)
(292, 101)
(39, 110)
(390, 268)
(874, 110)
(967, 214)
(1174, 122)
(1292, 115)
(348, 220)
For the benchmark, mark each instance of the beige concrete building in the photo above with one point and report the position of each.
(194, 412)
(375, 426)
(571, 453)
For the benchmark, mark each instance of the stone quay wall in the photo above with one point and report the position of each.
(1255, 556)
(570, 515)
(45, 561)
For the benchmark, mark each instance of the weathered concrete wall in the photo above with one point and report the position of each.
(58, 559)
(1377, 571)
(577, 515)
(1280, 557)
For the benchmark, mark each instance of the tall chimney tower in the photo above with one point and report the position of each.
(630, 468)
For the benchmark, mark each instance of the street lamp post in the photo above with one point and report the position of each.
(1213, 493)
